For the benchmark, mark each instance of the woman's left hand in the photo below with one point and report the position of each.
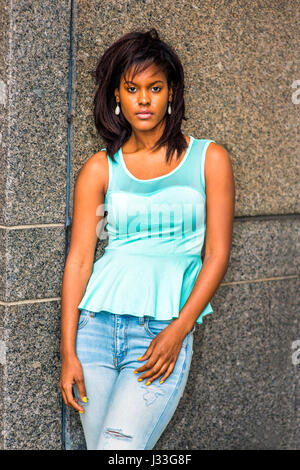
(162, 353)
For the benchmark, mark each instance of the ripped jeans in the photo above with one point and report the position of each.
(121, 412)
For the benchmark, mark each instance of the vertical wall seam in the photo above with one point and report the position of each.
(65, 437)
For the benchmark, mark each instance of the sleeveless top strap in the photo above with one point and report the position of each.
(205, 144)
(193, 173)
(110, 174)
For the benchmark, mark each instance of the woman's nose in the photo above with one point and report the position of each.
(143, 97)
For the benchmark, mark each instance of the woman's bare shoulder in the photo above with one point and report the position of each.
(217, 151)
(218, 164)
(95, 170)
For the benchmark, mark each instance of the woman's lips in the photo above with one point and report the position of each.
(144, 115)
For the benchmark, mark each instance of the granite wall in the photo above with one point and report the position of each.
(241, 60)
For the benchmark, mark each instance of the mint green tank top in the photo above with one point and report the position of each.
(155, 229)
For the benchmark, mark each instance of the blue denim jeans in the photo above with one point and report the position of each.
(121, 412)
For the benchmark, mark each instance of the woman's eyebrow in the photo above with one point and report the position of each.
(129, 81)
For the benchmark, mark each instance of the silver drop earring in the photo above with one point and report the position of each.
(169, 108)
(117, 110)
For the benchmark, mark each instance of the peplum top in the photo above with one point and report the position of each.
(155, 230)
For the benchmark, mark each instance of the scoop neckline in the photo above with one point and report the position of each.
(162, 176)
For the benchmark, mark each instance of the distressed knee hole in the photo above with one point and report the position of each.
(116, 433)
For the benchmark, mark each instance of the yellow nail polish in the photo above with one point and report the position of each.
(81, 412)
(161, 382)
(140, 358)
(85, 399)
(148, 383)
(135, 371)
(139, 380)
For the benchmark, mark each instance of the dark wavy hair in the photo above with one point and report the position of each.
(139, 50)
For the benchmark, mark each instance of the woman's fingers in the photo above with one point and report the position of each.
(147, 353)
(169, 372)
(154, 366)
(151, 378)
(81, 389)
(69, 399)
(162, 356)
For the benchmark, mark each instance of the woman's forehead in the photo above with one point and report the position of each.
(152, 72)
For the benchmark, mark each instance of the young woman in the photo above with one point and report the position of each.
(126, 358)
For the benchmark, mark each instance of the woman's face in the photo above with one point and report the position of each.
(147, 92)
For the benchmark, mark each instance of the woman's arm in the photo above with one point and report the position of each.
(220, 206)
(89, 194)
(163, 351)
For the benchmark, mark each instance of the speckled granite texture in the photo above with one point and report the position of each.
(31, 398)
(241, 60)
(33, 141)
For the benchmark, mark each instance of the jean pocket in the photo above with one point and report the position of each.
(154, 327)
(83, 319)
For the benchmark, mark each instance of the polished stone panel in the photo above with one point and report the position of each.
(31, 397)
(34, 263)
(33, 149)
(35, 110)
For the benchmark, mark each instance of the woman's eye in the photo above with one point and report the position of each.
(157, 87)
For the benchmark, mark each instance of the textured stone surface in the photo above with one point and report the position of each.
(32, 400)
(2, 378)
(34, 263)
(35, 77)
(33, 147)
(264, 247)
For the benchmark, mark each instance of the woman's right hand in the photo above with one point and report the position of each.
(71, 373)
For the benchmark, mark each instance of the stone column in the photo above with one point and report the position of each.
(33, 179)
